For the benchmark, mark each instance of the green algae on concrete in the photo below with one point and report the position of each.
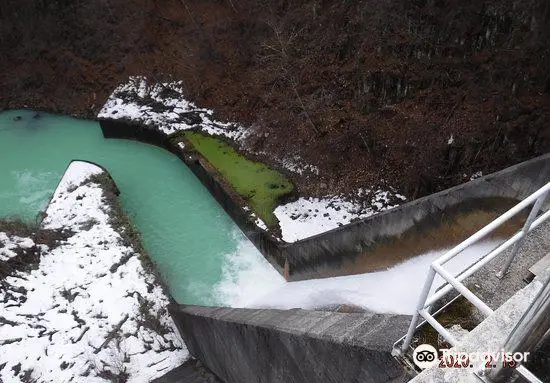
(261, 186)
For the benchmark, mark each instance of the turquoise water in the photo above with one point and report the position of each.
(186, 232)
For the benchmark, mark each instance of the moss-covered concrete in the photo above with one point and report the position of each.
(261, 186)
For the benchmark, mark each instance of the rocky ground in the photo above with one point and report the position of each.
(416, 95)
(79, 300)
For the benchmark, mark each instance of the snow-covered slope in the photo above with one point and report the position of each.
(90, 311)
(163, 106)
(307, 217)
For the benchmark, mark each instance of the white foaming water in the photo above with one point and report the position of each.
(249, 281)
(246, 276)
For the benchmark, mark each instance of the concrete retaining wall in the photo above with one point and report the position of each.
(338, 251)
(308, 258)
(292, 346)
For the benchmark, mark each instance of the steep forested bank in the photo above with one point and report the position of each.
(416, 94)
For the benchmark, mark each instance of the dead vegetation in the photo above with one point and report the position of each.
(369, 93)
(461, 312)
(27, 258)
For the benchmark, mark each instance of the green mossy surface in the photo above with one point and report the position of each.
(258, 184)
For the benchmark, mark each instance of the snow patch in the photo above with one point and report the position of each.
(307, 217)
(476, 175)
(295, 164)
(8, 245)
(163, 106)
(257, 220)
(261, 224)
(90, 307)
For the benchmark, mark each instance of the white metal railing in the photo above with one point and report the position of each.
(452, 281)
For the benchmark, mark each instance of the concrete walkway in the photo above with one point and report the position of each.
(489, 336)
(494, 291)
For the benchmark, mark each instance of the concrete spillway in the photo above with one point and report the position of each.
(241, 345)
(376, 242)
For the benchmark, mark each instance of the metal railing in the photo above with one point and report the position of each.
(452, 281)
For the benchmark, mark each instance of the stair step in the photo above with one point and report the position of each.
(540, 266)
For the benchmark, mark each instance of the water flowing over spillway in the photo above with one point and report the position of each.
(200, 253)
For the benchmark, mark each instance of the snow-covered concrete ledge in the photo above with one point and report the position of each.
(91, 309)
(307, 217)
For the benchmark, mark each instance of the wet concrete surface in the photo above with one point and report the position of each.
(495, 291)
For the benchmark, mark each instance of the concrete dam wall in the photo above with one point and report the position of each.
(360, 246)
(292, 346)
(376, 242)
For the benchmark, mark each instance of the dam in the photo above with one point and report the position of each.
(206, 260)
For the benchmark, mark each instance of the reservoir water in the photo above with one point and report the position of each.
(188, 235)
